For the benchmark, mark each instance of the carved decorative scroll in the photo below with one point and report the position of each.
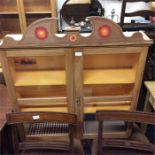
(104, 33)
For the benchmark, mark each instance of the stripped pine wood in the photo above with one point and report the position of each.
(109, 76)
(74, 72)
(33, 78)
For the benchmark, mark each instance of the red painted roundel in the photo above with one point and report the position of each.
(104, 31)
(73, 38)
(41, 33)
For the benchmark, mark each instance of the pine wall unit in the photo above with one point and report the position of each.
(77, 73)
(16, 15)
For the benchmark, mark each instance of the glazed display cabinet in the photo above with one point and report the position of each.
(77, 73)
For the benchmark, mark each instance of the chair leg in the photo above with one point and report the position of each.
(14, 140)
(94, 148)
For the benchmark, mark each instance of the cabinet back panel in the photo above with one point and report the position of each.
(55, 107)
(33, 17)
(40, 63)
(37, 5)
(107, 90)
(106, 61)
(8, 5)
(41, 91)
(9, 24)
(93, 109)
(62, 109)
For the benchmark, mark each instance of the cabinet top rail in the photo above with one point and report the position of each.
(104, 33)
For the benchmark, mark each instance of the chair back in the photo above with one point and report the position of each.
(127, 116)
(16, 119)
(142, 13)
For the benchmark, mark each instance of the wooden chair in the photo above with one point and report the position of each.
(35, 122)
(142, 13)
(136, 141)
(147, 27)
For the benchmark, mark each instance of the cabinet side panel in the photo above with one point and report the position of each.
(8, 79)
(139, 76)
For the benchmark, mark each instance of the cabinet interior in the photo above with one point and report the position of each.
(110, 76)
(74, 73)
(40, 77)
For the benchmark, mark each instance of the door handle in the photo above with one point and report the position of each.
(78, 100)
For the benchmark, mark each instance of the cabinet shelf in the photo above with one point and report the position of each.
(8, 13)
(40, 78)
(48, 109)
(109, 76)
(42, 102)
(39, 12)
(93, 109)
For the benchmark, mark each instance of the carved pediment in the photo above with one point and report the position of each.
(104, 32)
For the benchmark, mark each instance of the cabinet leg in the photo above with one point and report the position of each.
(147, 108)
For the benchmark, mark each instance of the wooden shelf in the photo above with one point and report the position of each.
(93, 109)
(109, 76)
(39, 78)
(38, 12)
(8, 13)
(42, 102)
(48, 109)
